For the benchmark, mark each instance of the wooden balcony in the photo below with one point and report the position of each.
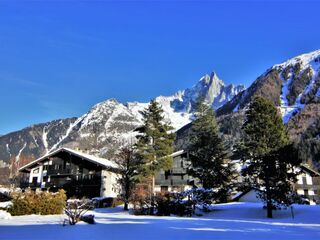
(66, 171)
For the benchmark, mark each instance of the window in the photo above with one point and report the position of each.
(181, 177)
(34, 180)
(304, 180)
(45, 179)
(164, 188)
(181, 164)
(306, 192)
(36, 170)
(166, 174)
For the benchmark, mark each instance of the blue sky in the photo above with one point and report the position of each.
(58, 58)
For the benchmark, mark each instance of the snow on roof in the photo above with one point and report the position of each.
(97, 160)
(178, 153)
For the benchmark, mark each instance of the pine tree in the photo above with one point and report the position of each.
(267, 152)
(129, 166)
(155, 142)
(208, 153)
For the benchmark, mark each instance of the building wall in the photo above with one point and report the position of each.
(307, 187)
(36, 173)
(251, 196)
(109, 185)
(176, 179)
(77, 176)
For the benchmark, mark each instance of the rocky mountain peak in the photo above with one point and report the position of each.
(291, 85)
(109, 125)
(211, 88)
(304, 61)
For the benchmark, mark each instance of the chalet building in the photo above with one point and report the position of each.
(176, 179)
(308, 184)
(78, 173)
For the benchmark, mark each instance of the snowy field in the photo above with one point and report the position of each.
(227, 221)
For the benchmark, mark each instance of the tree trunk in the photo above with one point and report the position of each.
(152, 197)
(269, 199)
(126, 208)
(269, 208)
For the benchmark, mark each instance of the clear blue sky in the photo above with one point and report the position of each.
(57, 59)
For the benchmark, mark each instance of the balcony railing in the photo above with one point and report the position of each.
(34, 185)
(59, 171)
(178, 171)
(171, 182)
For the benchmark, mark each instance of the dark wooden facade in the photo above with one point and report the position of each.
(64, 170)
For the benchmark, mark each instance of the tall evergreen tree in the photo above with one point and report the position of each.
(155, 142)
(208, 153)
(267, 152)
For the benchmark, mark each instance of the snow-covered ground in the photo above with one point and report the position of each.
(227, 221)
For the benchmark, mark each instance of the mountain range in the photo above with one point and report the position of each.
(293, 86)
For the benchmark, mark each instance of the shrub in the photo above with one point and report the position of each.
(180, 203)
(4, 197)
(163, 204)
(107, 202)
(43, 203)
(76, 210)
(142, 201)
(186, 202)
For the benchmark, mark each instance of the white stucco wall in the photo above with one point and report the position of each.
(251, 196)
(300, 191)
(109, 185)
(37, 175)
(309, 179)
(310, 192)
(300, 179)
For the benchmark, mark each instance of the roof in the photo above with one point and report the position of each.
(239, 195)
(97, 160)
(178, 153)
(309, 169)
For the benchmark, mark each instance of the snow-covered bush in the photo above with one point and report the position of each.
(44, 203)
(76, 210)
(106, 202)
(4, 215)
(178, 203)
(163, 204)
(4, 195)
(188, 200)
(142, 201)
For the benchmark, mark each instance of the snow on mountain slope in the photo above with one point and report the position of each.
(211, 88)
(290, 85)
(305, 62)
(111, 124)
(179, 108)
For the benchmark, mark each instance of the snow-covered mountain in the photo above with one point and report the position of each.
(110, 124)
(179, 108)
(300, 83)
(291, 85)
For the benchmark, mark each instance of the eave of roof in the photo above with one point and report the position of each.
(178, 153)
(100, 161)
(307, 168)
